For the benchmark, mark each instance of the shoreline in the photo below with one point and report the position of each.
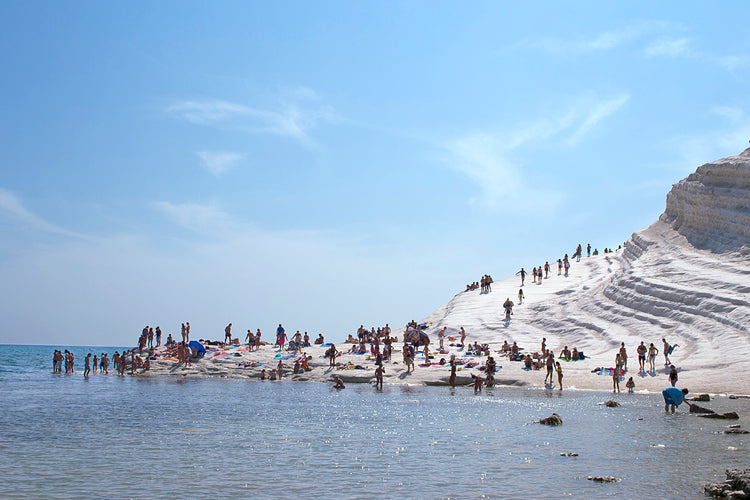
(236, 361)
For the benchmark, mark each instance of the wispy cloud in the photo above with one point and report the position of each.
(292, 117)
(599, 111)
(669, 47)
(606, 40)
(218, 162)
(194, 216)
(12, 205)
(494, 160)
(683, 48)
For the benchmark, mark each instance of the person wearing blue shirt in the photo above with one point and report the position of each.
(673, 397)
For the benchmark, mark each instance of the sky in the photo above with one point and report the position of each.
(329, 164)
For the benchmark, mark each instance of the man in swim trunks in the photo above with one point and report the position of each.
(642, 349)
(228, 333)
(673, 397)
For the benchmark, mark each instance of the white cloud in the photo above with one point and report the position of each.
(288, 119)
(12, 205)
(599, 111)
(669, 47)
(493, 160)
(607, 40)
(194, 216)
(218, 162)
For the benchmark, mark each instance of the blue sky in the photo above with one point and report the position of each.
(331, 164)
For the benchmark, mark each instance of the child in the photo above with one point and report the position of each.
(558, 368)
(630, 384)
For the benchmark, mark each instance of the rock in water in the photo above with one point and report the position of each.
(735, 430)
(737, 485)
(699, 409)
(611, 404)
(553, 420)
(701, 397)
(726, 416)
(602, 479)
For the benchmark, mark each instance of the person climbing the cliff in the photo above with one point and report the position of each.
(523, 275)
(521, 296)
(667, 351)
(508, 306)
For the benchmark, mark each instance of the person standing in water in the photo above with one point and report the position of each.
(87, 365)
(673, 397)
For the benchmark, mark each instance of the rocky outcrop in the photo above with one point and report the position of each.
(737, 485)
(553, 420)
(711, 207)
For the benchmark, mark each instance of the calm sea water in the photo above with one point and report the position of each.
(122, 437)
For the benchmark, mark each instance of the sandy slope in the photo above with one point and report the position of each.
(686, 278)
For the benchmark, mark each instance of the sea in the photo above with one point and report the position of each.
(107, 436)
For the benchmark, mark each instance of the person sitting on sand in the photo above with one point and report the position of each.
(574, 355)
(565, 354)
(673, 397)
(272, 376)
(296, 369)
(505, 348)
(339, 383)
(320, 340)
(527, 362)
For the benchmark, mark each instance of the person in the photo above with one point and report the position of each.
(567, 267)
(550, 367)
(588, 250)
(546, 269)
(508, 305)
(667, 351)
(630, 384)
(281, 338)
(187, 332)
(673, 397)
(477, 383)
(559, 267)
(544, 344)
(408, 354)
(279, 332)
(441, 336)
(263, 375)
(523, 275)
(463, 336)
(280, 369)
(616, 380)
(95, 364)
(158, 336)
(565, 354)
(306, 340)
(652, 352)
(250, 338)
(105, 363)
(257, 339)
(339, 383)
(521, 296)
(379, 377)
(150, 337)
(642, 350)
(558, 368)
(452, 379)
(332, 355)
(228, 334)
(672, 375)
(624, 356)
(87, 365)
(320, 340)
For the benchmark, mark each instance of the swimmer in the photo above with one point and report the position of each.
(87, 365)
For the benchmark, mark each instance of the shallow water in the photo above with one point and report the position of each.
(122, 437)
